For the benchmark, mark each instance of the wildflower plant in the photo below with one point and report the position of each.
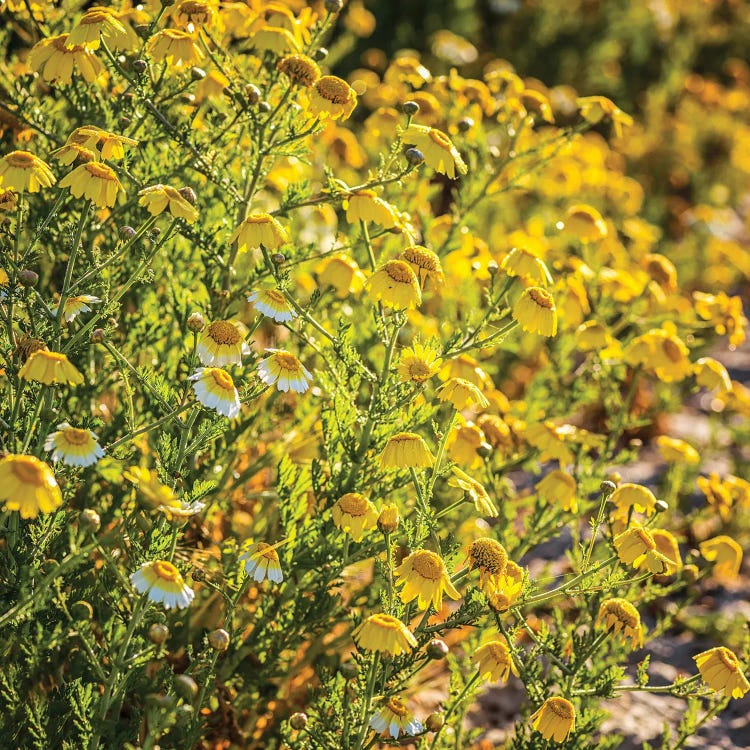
(301, 367)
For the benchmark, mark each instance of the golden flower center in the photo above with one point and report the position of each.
(267, 551)
(563, 708)
(100, 171)
(275, 296)
(399, 272)
(728, 659)
(428, 565)
(418, 370)
(191, 8)
(300, 69)
(422, 257)
(365, 194)
(488, 554)
(396, 706)
(334, 89)
(54, 356)
(224, 333)
(440, 138)
(75, 436)
(499, 653)
(353, 504)
(541, 297)
(385, 621)
(21, 159)
(95, 16)
(223, 379)
(672, 350)
(29, 471)
(287, 361)
(623, 611)
(166, 571)
(404, 437)
(645, 538)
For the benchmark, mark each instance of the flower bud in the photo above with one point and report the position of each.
(252, 92)
(196, 322)
(158, 633)
(189, 195)
(278, 258)
(388, 519)
(661, 506)
(89, 520)
(690, 573)
(333, 6)
(124, 121)
(485, 450)
(186, 687)
(414, 156)
(298, 721)
(97, 336)
(437, 649)
(410, 108)
(434, 722)
(320, 54)
(492, 268)
(465, 124)
(127, 233)
(348, 670)
(197, 74)
(159, 700)
(219, 639)
(28, 278)
(82, 610)
(140, 66)
(607, 487)
(264, 107)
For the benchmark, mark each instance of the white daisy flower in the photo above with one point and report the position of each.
(163, 583)
(273, 304)
(395, 719)
(285, 370)
(74, 306)
(261, 562)
(73, 446)
(214, 388)
(222, 343)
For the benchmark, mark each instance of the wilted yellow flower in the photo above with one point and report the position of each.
(521, 262)
(717, 494)
(395, 285)
(191, 14)
(160, 198)
(711, 374)
(621, 615)
(50, 367)
(535, 311)
(462, 394)
(424, 577)
(55, 61)
(495, 661)
(721, 671)
(259, 229)
(475, 490)
(93, 26)
(175, 47)
(636, 545)
(725, 553)
(559, 487)
(152, 493)
(463, 443)
(332, 97)
(555, 719)
(108, 145)
(406, 450)
(424, 263)
(585, 223)
(366, 205)
(635, 496)
(354, 514)
(342, 273)
(301, 69)
(95, 181)
(666, 545)
(676, 451)
(22, 171)
(384, 633)
(389, 519)
(504, 590)
(595, 108)
(437, 148)
(28, 485)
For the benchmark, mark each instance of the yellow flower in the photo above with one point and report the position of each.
(676, 451)
(191, 14)
(468, 368)
(462, 394)
(73, 446)
(463, 443)
(160, 198)
(332, 97)
(285, 370)
(50, 367)
(354, 514)
(555, 719)
(389, 519)
(717, 494)
(395, 719)
(711, 374)
(384, 633)
(526, 265)
(21, 171)
(262, 561)
(406, 450)
(495, 661)
(418, 363)
(726, 553)
(504, 590)
(259, 229)
(163, 583)
(636, 545)
(108, 145)
(490, 557)
(8, 200)
(585, 223)
(95, 181)
(222, 343)
(28, 485)
(721, 671)
(424, 263)
(660, 350)
(535, 311)
(366, 205)
(274, 39)
(74, 306)
(634, 496)
(593, 109)
(559, 487)
(94, 25)
(153, 494)
(55, 61)
(475, 490)
(215, 389)
(273, 304)
(666, 545)
(342, 273)
(175, 47)
(301, 69)
(424, 577)
(395, 285)
(437, 148)
(551, 440)
(621, 615)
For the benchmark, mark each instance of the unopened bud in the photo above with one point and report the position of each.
(690, 573)
(388, 519)
(414, 156)
(410, 108)
(252, 92)
(196, 322)
(492, 268)
(124, 121)
(320, 54)
(465, 124)
(27, 277)
(158, 633)
(298, 721)
(334, 6)
(349, 670)
(186, 687)
(127, 233)
(197, 74)
(140, 66)
(89, 520)
(434, 722)
(278, 258)
(82, 610)
(97, 336)
(264, 107)
(485, 450)
(607, 487)
(661, 506)
(219, 639)
(437, 649)
(189, 195)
